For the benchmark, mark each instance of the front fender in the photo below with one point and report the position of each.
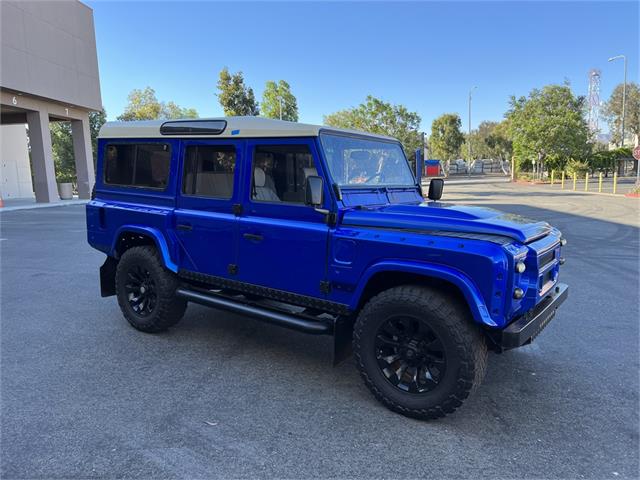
(158, 238)
(465, 284)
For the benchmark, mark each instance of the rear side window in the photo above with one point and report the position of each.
(138, 165)
(208, 171)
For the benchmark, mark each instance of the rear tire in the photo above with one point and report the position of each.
(418, 351)
(146, 291)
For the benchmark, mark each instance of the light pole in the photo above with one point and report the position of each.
(624, 92)
(280, 100)
(469, 130)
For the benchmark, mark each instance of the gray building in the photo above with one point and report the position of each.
(48, 73)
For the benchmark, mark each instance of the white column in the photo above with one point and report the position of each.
(83, 155)
(44, 173)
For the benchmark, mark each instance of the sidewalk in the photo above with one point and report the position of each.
(13, 204)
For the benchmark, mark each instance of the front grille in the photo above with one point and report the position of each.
(546, 258)
(548, 271)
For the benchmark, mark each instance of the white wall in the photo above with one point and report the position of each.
(15, 171)
(48, 49)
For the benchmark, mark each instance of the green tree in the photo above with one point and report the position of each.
(446, 137)
(171, 110)
(606, 160)
(548, 127)
(62, 148)
(380, 117)
(499, 143)
(96, 120)
(489, 141)
(234, 96)
(279, 102)
(144, 105)
(62, 145)
(478, 140)
(612, 111)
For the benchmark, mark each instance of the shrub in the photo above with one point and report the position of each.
(579, 167)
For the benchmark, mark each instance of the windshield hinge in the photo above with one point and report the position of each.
(337, 191)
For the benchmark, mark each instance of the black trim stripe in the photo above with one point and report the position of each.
(271, 293)
(487, 237)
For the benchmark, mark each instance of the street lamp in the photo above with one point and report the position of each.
(469, 129)
(624, 91)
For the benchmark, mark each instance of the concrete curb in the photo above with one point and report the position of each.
(61, 203)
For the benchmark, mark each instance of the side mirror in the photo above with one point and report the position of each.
(314, 191)
(435, 189)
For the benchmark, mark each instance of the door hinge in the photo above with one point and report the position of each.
(237, 209)
(325, 287)
(232, 268)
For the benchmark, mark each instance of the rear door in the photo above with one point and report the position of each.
(206, 225)
(282, 241)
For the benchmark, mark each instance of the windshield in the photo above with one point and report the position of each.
(365, 162)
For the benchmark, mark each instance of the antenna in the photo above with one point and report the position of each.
(594, 102)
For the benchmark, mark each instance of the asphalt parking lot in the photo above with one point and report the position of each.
(222, 396)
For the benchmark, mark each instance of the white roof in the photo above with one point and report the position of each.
(242, 127)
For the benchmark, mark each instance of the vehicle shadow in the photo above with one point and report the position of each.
(587, 357)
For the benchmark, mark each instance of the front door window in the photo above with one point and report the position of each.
(280, 173)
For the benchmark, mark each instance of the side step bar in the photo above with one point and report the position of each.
(277, 318)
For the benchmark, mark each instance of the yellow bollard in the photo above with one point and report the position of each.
(615, 181)
(574, 181)
(600, 183)
(586, 182)
(552, 175)
(562, 181)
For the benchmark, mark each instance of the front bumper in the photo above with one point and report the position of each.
(524, 329)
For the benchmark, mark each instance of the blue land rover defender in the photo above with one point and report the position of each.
(325, 231)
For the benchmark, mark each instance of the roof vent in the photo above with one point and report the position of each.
(193, 127)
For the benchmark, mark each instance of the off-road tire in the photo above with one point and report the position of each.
(463, 343)
(168, 309)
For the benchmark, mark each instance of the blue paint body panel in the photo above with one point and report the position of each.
(375, 231)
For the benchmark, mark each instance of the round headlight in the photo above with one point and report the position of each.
(518, 293)
(520, 267)
(563, 241)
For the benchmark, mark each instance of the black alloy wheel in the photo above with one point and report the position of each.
(410, 354)
(146, 290)
(418, 350)
(141, 290)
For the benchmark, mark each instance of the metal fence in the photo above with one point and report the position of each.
(479, 167)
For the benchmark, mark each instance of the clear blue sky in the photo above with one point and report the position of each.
(423, 55)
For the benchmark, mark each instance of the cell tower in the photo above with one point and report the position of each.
(594, 102)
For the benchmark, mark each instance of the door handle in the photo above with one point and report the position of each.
(184, 226)
(253, 237)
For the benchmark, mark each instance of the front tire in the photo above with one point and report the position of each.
(146, 291)
(418, 351)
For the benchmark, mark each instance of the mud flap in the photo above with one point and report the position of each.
(342, 339)
(108, 277)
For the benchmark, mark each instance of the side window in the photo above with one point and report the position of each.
(137, 165)
(280, 173)
(208, 171)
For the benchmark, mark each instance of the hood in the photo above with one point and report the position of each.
(442, 217)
